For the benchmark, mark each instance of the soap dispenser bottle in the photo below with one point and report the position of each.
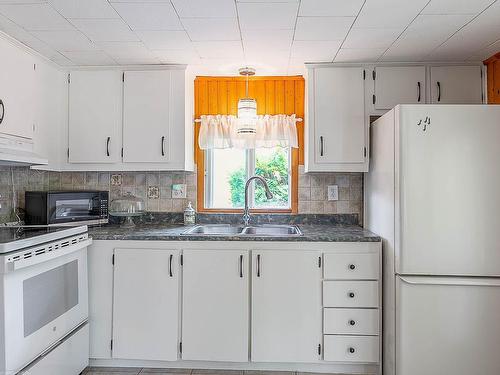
(189, 215)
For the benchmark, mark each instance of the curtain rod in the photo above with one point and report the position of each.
(297, 119)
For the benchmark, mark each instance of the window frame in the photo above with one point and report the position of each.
(274, 94)
(250, 158)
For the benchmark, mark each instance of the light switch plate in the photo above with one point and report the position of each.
(333, 192)
(179, 191)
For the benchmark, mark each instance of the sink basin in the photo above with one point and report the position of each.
(272, 230)
(213, 229)
(236, 230)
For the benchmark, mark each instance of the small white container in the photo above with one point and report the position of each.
(189, 215)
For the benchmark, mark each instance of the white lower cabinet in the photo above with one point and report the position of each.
(215, 305)
(146, 304)
(243, 303)
(286, 306)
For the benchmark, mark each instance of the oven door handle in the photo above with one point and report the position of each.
(37, 259)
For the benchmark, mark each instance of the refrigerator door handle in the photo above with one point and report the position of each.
(460, 281)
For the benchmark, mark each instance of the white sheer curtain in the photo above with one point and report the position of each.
(219, 131)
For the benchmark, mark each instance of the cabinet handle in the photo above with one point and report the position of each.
(107, 145)
(351, 295)
(419, 91)
(170, 265)
(163, 146)
(352, 267)
(258, 265)
(439, 90)
(321, 146)
(352, 350)
(2, 111)
(241, 265)
(352, 322)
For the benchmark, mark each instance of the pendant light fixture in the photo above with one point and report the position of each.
(247, 107)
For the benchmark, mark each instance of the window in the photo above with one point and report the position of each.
(227, 170)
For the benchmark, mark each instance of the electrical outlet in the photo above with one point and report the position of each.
(333, 192)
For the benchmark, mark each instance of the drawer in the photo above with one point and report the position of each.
(351, 321)
(350, 294)
(351, 348)
(351, 266)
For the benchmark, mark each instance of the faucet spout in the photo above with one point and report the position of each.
(269, 195)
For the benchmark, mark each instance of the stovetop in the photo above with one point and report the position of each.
(18, 237)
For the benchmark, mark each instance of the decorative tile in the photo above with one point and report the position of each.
(153, 192)
(179, 191)
(116, 180)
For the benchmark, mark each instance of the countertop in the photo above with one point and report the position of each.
(172, 232)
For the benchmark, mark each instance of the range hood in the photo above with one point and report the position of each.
(16, 151)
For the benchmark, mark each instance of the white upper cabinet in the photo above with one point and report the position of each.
(399, 85)
(456, 84)
(215, 305)
(17, 80)
(336, 139)
(95, 116)
(147, 116)
(286, 306)
(146, 304)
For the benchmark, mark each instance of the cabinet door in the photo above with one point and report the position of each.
(215, 305)
(338, 136)
(95, 116)
(286, 306)
(100, 255)
(399, 85)
(146, 304)
(146, 116)
(456, 85)
(17, 77)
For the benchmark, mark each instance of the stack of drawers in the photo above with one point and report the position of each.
(351, 314)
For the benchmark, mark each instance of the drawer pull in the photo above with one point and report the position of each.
(352, 322)
(352, 350)
(351, 294)
(352, 267)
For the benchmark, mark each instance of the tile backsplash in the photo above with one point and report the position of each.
(156, 189)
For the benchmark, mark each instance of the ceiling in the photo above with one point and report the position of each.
(276, 37)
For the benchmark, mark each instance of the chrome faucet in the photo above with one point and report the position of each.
(269, 195)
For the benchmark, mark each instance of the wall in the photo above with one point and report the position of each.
(14, 181)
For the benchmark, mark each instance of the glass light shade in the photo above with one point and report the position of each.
(247, 116)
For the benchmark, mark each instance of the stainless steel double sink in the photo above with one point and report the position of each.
(240, 230)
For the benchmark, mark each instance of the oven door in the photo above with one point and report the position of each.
(44, 301)
(70, 207)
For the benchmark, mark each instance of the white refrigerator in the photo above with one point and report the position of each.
(433, 195)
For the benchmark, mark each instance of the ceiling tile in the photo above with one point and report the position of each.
(456, 6)
(149, 16)
(35, 17)
(330, 7)
(322, 28)
(476, 35)
(71, 40)
(314, 51)
(389, 13)
(201, 29)
(15, 31)
(114, 30)
(84, 9)
(204, 8)
(425, 34)
(89, 58)
(278, 39)
(22, 1)
(187, 56)
(359, 54)
(128, 53)
(174, 40)
(371, 37)
(267, 15)
(219, 50)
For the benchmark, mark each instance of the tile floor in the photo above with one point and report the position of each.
(142, 371)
